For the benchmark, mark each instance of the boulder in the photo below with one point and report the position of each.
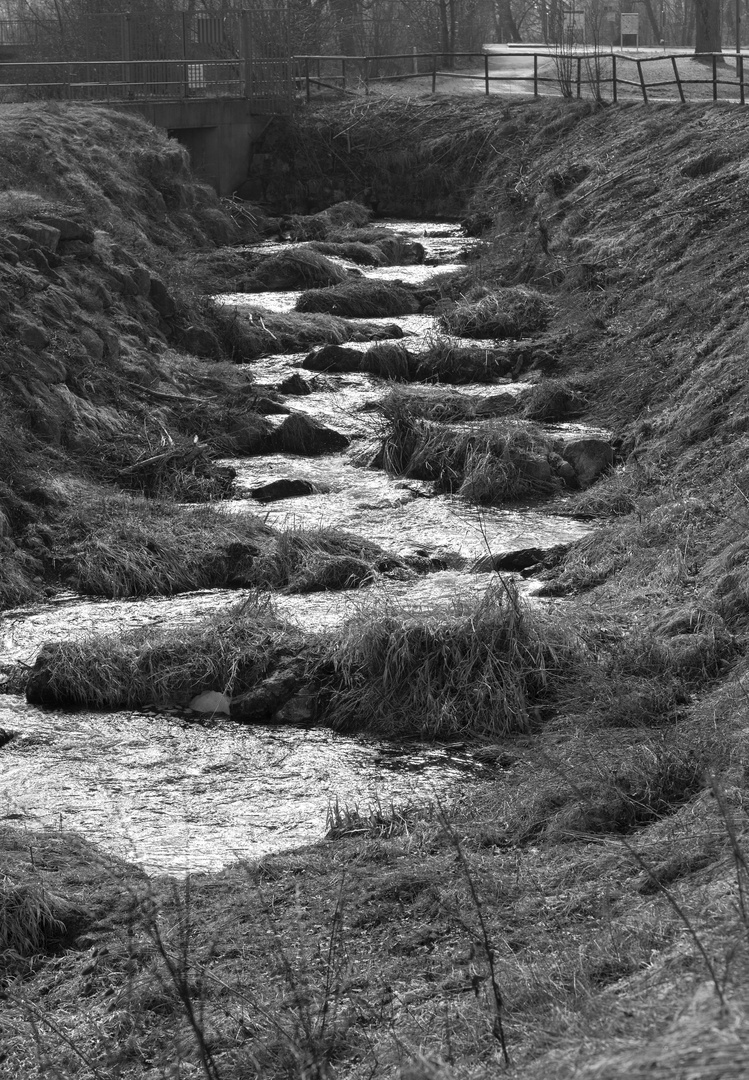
(295, 386)
(299, 434)
(45, 236)
(266, 406)
(508, 560)
(333, 358)
(260, 704)
(200, 341)
(161, 298)
(68, 230)
(589, 458)
(210, 703)
(283, 489)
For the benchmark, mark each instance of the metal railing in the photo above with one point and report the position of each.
(567, 72)
(262, 80)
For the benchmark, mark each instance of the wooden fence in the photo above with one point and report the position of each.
(604, 75)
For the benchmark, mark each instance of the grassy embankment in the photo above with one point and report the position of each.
(118, 388)
(587, 903)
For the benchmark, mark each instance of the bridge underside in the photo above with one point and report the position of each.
(217, 132)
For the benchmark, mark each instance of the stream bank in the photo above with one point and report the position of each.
(564, 871)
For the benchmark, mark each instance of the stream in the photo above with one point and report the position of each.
(176, 795)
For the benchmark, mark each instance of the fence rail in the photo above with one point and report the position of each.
(560, 72)
(268, 78)
(261, 79)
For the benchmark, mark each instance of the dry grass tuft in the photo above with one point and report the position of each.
(482, 672)
(501, 461)
(361, 298)
(514, 312)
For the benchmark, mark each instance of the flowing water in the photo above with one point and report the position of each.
(175, 794)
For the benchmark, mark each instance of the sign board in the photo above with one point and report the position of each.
(630, 28)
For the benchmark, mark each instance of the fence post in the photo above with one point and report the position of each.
(642, 81)
(740, 66)
(246, 39)
(535, 74)
(715, 77)
(307, 85)
(678, 80)
(579, 67)
(613, 77)
(343, 72)
(434, 73)
(486, 73)
(366, 76)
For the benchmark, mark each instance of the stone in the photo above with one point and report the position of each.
(299, 434)
(68, 229)
(299, 710)
(33, 336)
(508, 560)
(589, 458)
(46, 236)
(200, 341)
(141, 280)
(91, 342)
(161, 298)
(211, 702)
(261, 703)
(77, 249)
(18, 242)
(295, 386)
(333, 358)
(283, 489)
(266, 406)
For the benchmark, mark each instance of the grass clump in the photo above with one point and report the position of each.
(440, 405)
(311, 560)
(361, 298)
(513, 312)
(445, 361)
(163, 667)
(481, 672)
(296, 268)
(122, 546)
(266, 333)
(553, 399)
(504, 460)
(32, 921)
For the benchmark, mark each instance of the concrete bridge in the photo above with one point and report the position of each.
(214, 83)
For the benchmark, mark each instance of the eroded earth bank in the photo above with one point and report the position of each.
(403, 515)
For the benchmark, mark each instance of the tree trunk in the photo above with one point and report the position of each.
(707, 26)
(509, 26)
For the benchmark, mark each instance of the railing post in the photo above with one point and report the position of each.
(434, 73)
(678, 80)
(740, 66)
(642, 81)
(186, 68)
(535, 74)
(366, 76)
(715, 77)
(579, 69)
(307, 87)
(613, 77)
(246, 53)
(343, 72)
(486, 73)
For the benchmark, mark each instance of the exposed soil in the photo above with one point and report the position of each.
(585, 911)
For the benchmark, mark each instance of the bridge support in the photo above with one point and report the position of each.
(217, 132)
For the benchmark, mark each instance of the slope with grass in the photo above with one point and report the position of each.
(584, 909)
